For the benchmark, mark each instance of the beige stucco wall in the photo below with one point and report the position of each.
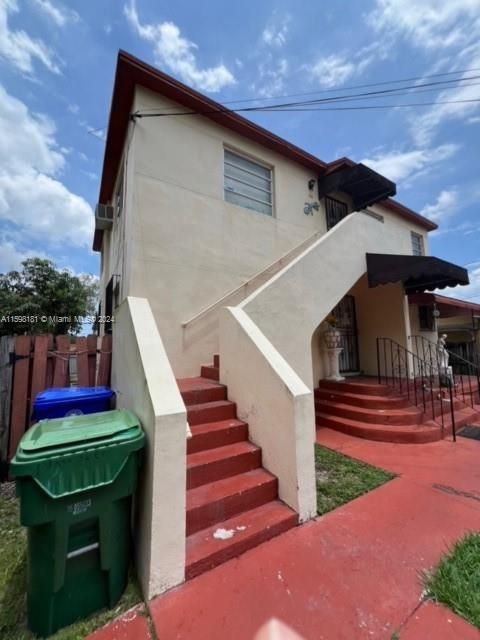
(145, 384)
(291, 306)
(415, 327)
(278, 407)
(183, 245)
(381, 312)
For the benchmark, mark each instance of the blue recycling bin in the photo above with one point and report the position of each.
(70, 401)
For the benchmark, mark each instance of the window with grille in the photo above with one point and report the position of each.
(426, 319)
(247, 183)
(335, 211)
(417, 244)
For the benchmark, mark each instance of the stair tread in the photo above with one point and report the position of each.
(198, 383)
(218, 425)
(210, 405)
(220, 453)
(221, 489)
(374, 426)
(244, 526)
(368, 410)
(360, 386)
(362, 396)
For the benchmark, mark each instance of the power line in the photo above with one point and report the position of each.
(348, 88)
(285, 105)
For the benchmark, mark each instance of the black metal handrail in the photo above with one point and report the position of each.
(465, 374)
(422, 381)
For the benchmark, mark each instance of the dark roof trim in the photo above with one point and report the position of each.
(131, 71)
(445, 301)
(418, 273)
(409, 214)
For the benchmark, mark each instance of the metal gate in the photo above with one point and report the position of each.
(345, 315)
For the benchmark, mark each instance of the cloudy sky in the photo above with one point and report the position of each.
(57, 61)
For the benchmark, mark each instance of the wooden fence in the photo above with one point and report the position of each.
(30, 364)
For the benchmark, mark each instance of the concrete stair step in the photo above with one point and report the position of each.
(219, 501)
(209, 435)
(362, 386)
(211, 411)
(404, 416)
(247, 530)
(414, 434)
(200, 390)
(222, 462)
(362, 400)
(210, 371)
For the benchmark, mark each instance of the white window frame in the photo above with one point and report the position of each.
(261, 164)
(414, 238)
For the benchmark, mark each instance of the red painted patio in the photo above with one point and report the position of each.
(354, 573)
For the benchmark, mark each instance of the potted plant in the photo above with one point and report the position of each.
(332, 335)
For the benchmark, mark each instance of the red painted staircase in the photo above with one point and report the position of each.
(363, 408)
(232, 502)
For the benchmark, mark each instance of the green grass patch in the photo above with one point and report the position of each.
(13, 581)
(456, 580)
(341, 479)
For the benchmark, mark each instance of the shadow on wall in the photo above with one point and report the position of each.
(319, 355)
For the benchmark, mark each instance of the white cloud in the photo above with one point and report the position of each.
(423, 127)
(33, 200)
(445, 206)
(429, 24)
(276, 32)
(59, 15)
(473, 120)
(11, 257)
(450, 31)
(332, 71)
(470, 292)
(177, 53)
(90, 174)
(272, 74)
(404, 165)
(19, 48)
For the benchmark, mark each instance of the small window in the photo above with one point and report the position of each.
(417, 244)
(425, 317)
(247, 184)
(119, 198)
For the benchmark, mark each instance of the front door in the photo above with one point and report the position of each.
(344, 313)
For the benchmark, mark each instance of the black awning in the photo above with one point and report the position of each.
(418, 273)
(364, 185)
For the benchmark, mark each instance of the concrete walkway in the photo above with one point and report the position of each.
(352, 574)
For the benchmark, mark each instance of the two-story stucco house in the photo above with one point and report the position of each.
(224, 248)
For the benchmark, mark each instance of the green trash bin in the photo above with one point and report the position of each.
(75, 478)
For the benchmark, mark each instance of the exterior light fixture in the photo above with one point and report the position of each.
(311, 184)
(435, 312)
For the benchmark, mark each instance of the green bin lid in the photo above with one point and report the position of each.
(91, 429)
(68, 455)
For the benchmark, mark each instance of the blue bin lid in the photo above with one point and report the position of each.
(72, 394)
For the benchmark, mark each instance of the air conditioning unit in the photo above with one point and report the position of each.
(103, 216)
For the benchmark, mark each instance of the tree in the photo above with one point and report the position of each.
(43, 299)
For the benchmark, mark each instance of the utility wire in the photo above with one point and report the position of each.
(285, 105)
(349, 88)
